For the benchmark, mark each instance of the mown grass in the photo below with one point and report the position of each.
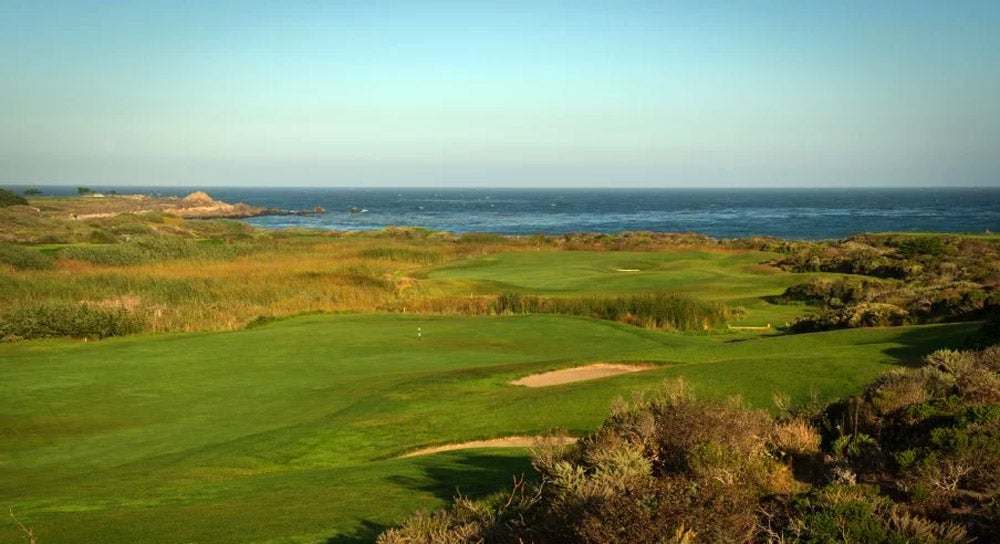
(736, 278)
(289, 432)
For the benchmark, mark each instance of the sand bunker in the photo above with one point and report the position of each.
(578, 374)
(556, 377)
(506, 442)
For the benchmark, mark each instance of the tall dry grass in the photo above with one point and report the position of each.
(225, 290)
(225, 284)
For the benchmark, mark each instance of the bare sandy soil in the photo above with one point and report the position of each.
(506, 442)
(578, 374)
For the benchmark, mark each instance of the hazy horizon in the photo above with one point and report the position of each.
(101, 188)
(500, 95)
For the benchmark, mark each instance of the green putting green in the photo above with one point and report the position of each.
(736, 278)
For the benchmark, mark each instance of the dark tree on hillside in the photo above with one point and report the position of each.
(8, 198)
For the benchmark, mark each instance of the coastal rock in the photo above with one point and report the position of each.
(198, 198)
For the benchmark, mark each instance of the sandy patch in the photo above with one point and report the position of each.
(578, 374)
(627, 270)
(506, 442)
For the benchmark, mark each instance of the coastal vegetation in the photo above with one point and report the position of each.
(262, 386)
(914, 459)
(8, 198)
(167, 274)
(895, 279)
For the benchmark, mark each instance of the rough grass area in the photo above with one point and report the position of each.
(288, 432)
(223, 282)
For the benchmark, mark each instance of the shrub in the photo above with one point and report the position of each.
(914, 247)
(924, 443)
(836, 292)
(77, 320)
(897, 390)
(669, 468)
(942, 277)
(860, 513)
(24, 258)
(649, 310)
(796, 437)
(8, 198)
(866, 314)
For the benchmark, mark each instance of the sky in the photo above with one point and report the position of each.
(500, 94)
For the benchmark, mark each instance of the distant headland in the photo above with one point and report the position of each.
(196, 205)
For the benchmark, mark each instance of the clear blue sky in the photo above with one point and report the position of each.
(533, 93)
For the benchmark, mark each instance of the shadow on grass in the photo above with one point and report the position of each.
(917, 342)
(471, 473)
(366, 534)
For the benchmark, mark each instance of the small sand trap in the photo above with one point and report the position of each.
(507, 442)
(578, 374)
(627, 270)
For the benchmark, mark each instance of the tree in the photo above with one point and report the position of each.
(8, 198)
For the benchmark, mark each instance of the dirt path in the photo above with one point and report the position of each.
(506, 442)
(578, 374)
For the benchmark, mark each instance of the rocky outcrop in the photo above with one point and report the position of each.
(197, 205)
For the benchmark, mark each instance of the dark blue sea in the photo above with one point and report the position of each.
(723, 213)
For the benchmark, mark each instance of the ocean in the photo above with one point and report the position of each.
(723, 213)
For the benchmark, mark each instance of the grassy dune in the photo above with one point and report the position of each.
(289, 432)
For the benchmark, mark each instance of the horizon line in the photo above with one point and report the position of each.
(503, 187)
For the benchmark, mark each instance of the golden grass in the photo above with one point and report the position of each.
(289, 272)
(282, 277)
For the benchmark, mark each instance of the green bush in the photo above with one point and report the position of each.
(860, 513)
(911, 248)
(865, 314)
(76, 320)
(8, 198)
(836, 293)
(649, 310)
(24, 258)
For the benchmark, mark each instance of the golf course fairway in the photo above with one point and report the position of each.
(292, 432)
